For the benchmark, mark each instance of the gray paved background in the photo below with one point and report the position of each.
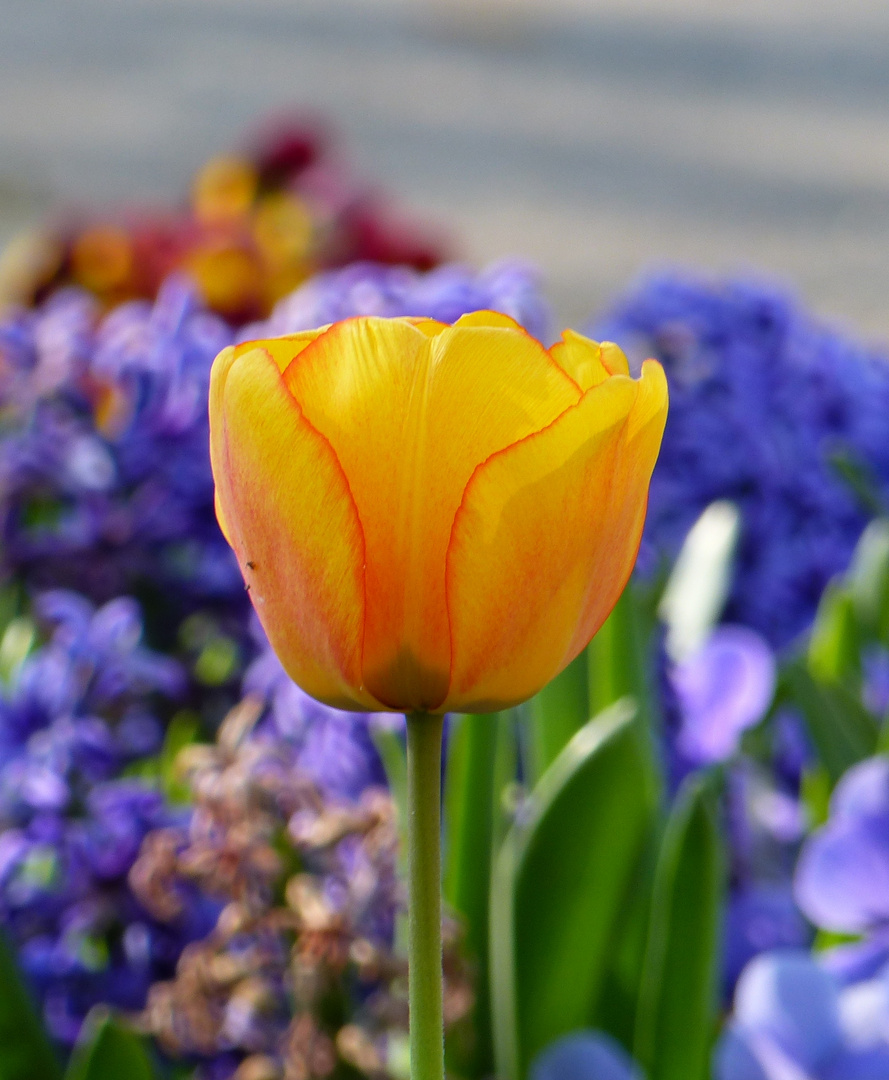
(594, 137)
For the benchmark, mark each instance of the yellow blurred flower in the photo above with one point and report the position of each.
(432, 517)
(102, 259)
(282, 228)
(224, 190)
(228, 275)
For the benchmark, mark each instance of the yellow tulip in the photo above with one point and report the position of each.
(429, 517)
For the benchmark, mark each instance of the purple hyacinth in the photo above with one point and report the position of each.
(105, 471)
(300, 975)
(783, 416)
(77, 711)
(444, 294)
(792, 1021)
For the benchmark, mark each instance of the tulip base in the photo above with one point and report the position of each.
(424, 737)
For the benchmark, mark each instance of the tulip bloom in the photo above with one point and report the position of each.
(429, 517)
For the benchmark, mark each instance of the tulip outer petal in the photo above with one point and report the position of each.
(544, 542)
(274, 472)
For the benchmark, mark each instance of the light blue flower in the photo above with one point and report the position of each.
(792, 1022)
(585, 1055)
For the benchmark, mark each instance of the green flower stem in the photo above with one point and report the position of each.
(424, 733)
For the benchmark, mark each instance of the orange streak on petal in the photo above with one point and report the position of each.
(294, 528)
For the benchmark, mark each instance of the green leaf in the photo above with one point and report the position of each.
(835, 643)
(183, 730)
(700, 581)
(25, 1050)
(842, 730)
(814, 789)
(618, 666)
(107, 1050)
(18, 639)
(619, 1000)
(859, 477)
(678, 1002)
(868, 579)
(556, 714)
(479, 764)
(614, 657)
(560, 882)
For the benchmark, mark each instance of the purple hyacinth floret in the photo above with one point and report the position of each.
(792, 1021)
(446, 293)
(77, 711)
(768, 408)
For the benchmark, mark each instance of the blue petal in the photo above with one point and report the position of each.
(734, 1060)
(723, 689)
(842, 875)
(863, 791)
(787, 999)
(585, 1056)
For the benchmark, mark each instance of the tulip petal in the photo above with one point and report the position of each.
(274, 473)
(410, 416)
(614, 359)
(486, 317)
(586, 361)
(580, 358)
(545, 540)
(429, 327)
(283, 350)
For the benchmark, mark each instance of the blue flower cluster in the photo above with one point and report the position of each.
(772, 410)
(106, 483)
(75, 713)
